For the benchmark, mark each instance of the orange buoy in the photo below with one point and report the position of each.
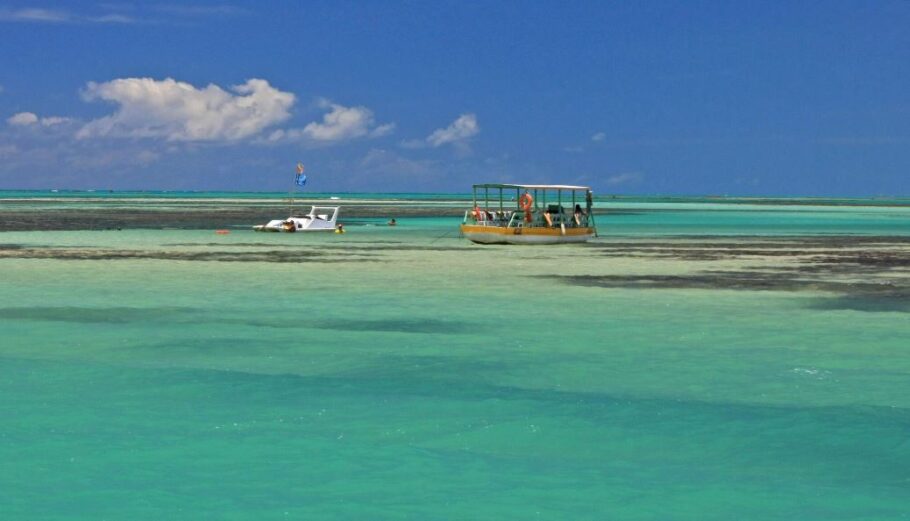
(525, 201)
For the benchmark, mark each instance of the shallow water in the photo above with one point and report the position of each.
(691, 363)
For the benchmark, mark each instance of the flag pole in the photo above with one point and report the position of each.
(299, 180)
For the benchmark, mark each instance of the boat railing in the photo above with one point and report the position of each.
(516, 219)
(489, 218)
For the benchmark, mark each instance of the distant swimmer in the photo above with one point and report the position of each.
(339, 228)
(392, 222)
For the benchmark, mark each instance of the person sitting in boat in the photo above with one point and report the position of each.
(547, 216)
(579, 215)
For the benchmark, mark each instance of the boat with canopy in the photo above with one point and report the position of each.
(529, 214)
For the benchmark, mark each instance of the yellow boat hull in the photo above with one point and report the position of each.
(521, 235)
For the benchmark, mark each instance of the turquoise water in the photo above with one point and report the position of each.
(403, 373)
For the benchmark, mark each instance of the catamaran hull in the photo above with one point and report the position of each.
(311, 222)
(502, 235)
(276, 229)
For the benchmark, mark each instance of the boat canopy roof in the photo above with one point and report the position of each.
(531, 187)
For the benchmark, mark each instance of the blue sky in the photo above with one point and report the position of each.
(738, 98)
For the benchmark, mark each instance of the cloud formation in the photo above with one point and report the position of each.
(600, 136)
(339, 124)
(178, 111)
(457, 134)
(342, 123)
(22, 119)
(25, 119)
(59, 16)
(461, 130)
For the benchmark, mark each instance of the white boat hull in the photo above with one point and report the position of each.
(312, 222)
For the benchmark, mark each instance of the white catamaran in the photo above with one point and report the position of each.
(319, 219)
(535, 214)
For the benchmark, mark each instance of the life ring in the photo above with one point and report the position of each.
(525, 201)
(527, 216)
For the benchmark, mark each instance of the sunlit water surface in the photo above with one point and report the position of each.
(404, 373)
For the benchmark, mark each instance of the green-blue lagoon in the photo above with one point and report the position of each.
(701, 359)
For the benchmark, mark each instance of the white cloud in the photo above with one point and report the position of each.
(600, 136)
(339, 124)
(1, 89)
(23, 119)
(27, 119)
(54, 120)
(342, 123)
(34, 15)
(58, 16)
(383, 130)
(178, 111)
(624, 178)
(461, 130)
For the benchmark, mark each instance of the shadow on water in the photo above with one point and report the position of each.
(413, 325)
(184, 315)
(107, 315)
(422, 325)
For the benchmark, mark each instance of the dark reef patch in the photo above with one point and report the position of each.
(195, 215)
(878, 304)
(274, 256)
(863, 273)
(745, 280)
(363, 246)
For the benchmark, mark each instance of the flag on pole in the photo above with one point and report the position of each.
(300, 178)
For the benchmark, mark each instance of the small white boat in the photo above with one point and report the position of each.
(536, 214)
(319, 219)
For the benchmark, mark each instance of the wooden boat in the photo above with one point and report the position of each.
(529, 214)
